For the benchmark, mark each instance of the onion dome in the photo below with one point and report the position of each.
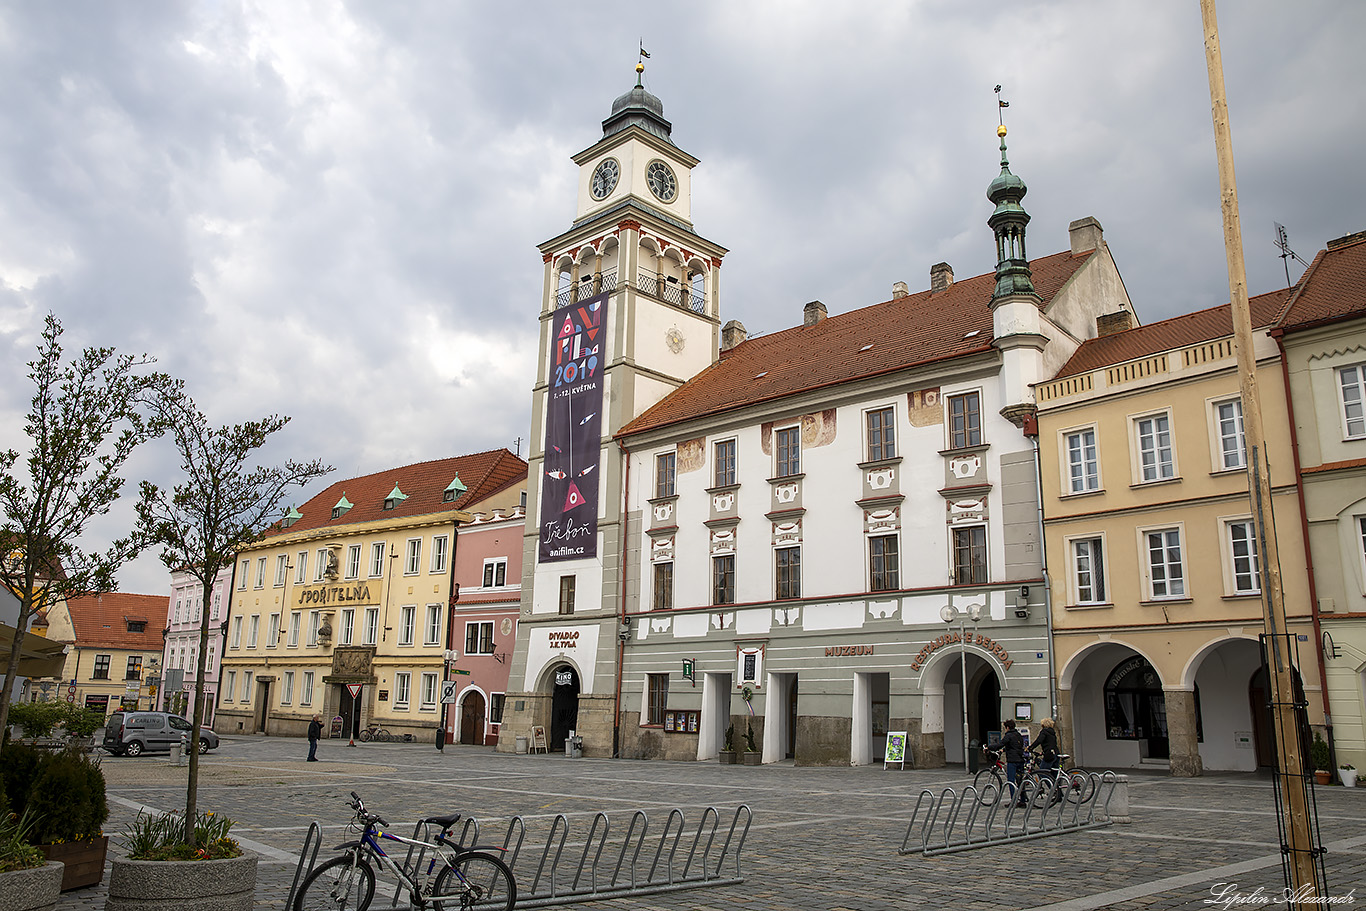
(638, 108)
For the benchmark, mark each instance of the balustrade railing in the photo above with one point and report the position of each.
(669, 291)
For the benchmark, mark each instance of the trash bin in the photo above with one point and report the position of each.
(573, 747)
(441, 739)
(974, 755)
(521, 744)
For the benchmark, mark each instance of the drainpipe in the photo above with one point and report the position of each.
(1047, 585)
(621, 614)
(453, 596)
(1279, 335)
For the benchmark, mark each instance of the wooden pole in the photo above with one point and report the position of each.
(1289, 747)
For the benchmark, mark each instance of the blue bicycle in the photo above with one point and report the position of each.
(466, 879)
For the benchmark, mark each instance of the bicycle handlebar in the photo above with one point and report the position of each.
(359, 806)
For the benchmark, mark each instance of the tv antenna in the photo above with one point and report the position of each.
(1283, 241)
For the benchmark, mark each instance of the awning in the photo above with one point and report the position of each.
(38, 655)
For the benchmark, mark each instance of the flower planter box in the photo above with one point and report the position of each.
(84, 861)
(726, 757)
(35, 889)
(1323, 776)
(752, 758)
(1349, 777)
(182, 885)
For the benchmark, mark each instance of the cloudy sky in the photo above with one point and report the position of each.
(330, 209)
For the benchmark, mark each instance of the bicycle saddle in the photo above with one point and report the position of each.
(444, 822)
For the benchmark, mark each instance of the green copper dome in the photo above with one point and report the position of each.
(638, 108)
(1008, 222)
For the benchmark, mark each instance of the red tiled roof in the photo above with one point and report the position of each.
(1333, 287)
(1337, 466)
(1177, 332)
(483, 473)
(904, 332)
(102, 620)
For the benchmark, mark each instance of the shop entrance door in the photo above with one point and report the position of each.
(564, 705)
(472, 719)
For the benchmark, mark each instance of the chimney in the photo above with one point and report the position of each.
(1086, 234)
(941, 277)
(899, 290)
(732, 334)
(1113, 323)
(813, 313)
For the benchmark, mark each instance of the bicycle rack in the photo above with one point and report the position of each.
(946, 827)
(308, 857)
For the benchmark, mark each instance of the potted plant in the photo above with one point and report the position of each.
(65, 793)
(211, 867)
(727, 754)
(752, 754)
(1319, 759)
(1348, 773)
(27, 879)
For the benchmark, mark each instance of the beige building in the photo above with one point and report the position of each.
(1323, 337)
(355, 590)
(1152, 564)
(114, 656)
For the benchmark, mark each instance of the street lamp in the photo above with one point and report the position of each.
(949, 613)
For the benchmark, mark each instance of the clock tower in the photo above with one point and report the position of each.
(629, 312)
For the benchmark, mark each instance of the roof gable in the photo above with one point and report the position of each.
(102, 620)
(1332, 288)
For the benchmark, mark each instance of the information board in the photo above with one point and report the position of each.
(897, 748)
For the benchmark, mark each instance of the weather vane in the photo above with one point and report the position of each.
(1001, 105)
(640, 61)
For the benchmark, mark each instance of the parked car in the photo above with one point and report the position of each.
(133, 733)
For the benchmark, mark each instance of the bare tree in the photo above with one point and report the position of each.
(221, 505)
(86, 418)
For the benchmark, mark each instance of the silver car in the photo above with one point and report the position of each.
(135, 733)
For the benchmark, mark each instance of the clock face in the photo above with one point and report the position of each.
(605, 178)
(661, 179)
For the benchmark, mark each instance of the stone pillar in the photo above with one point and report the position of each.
(574, 282)
(1184, 748)
(1066, 735)
(597, 274)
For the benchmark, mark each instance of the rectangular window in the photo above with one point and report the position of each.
(881, 434)
(287, 688)
(246, 687)
(260, 572)
(787, 571)
(723, 579)
(664, 587)
(1088, 567)
(403, 689)
(883, 564)
(301, 567)
(1242, 541)
(1352, 383)
(254, 630)
(664, 474)
(429, 691)
(724, 475)
(217, 603)
(243, 571)
(566, 594)
(970, 555)
(370, 634)
(440, 543)
(1166, 572)
(1232, 444)
(658, 698)
(320, 569)
(348, 626)
(479, 638)
(229, 686)
(496, 701)
(407, 624)
(965, 420)
(788, 446)
(273, 631)
(433, 626)
(134, 669)
(295, 620)
(376, 559)
(306, 693)
(236, 632)
(281, 569)
(412, 556)
(313, 624)
(1155, 459)
(353, 562)
(1083, 471)
(496, 573)
(101, 668)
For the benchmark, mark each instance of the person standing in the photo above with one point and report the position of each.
(1047, 745)
(1013, 746)
(315, 730)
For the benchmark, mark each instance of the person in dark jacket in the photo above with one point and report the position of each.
(1013, 745)
(1047, 745)
(315, 730)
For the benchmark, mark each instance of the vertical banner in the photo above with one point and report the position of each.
(573, 433)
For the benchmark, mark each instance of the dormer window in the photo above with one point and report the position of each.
(137, 626)
(341, 508)
(453, 492)
(395, 497)
(291, 517)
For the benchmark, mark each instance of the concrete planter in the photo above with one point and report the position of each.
(84, 861)
(182, 885)
(752, 757)
(35, 889)
(726, 757)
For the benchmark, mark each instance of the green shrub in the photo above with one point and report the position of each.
(15, 851)
(749, 740)
(63, 791)
(1318, 754)
(37, 718)
(81, 722)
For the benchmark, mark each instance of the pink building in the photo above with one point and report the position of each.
(180, 656)
(483, 628)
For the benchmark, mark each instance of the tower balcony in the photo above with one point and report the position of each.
(669, 290)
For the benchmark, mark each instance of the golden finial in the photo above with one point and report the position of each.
(640, 67)
(1001, 131)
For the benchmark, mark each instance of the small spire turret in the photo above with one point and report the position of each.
(1008, 222)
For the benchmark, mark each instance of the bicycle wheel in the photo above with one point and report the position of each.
(474, 881)
(338, 885)
(364, 736)
(985, 778)
(1078, 785)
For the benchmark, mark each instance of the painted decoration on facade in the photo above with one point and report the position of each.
(692, 455)
(722, 541)
(966, 511)
(785, 493)
(881, 478)
(964, 467)
(573, 433)
(881, 520)
(925, 409)
(662, 549)
(787, 532)
(723, 502)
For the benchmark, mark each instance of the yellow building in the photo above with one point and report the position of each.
(1155, 585)
(114, 655)
(354, 591)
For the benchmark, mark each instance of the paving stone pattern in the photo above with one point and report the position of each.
(822, 839)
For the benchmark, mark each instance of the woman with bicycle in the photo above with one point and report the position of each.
(1012, 744)
(1047, 745)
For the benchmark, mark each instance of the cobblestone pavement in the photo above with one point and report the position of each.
(822, 839)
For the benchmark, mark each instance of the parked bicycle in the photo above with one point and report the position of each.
(1074, 784)
(376, 733)
(466, 879)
